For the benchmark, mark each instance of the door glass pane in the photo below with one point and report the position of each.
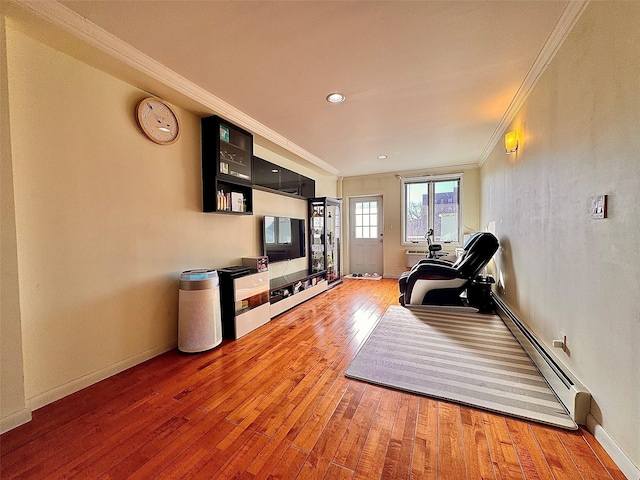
(366, 220)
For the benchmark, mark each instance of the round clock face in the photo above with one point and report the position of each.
(157, 121)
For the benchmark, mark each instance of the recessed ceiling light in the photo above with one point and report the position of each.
(336, 97)
(381, 157)
(274, 170)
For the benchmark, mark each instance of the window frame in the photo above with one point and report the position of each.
(430, 180)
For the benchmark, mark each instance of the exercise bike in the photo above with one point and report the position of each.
(435, 249)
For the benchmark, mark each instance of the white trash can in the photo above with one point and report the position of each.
(199, 317)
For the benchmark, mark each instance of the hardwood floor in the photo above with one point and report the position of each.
(276, 404)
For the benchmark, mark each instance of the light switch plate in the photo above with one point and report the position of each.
(599, 206)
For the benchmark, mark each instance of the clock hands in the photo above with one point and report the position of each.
(166, 127)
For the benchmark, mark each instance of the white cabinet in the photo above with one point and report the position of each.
(290, 290)
(245, 301)
(291, 301)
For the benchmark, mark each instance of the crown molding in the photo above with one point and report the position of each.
(96, 37)
(434, 171)
(558, 35)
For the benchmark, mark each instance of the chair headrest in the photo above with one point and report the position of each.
(466, 247)
(478, 254)
(472, 238)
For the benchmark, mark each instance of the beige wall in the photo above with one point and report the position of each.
(105, 222)
(13, 410)
(389, 186)
(560, 270)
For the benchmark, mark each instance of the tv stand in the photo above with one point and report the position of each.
(294, 288)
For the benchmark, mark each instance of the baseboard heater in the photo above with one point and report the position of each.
(573, 395)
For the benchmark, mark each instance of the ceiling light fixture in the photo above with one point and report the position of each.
(382, 157)
(336, 97)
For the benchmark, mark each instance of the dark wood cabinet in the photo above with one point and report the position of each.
(227, 155)
(278, 179)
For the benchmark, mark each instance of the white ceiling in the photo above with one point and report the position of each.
(427, 82)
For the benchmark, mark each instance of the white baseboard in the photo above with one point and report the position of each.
(624, 463)
(14, 420)
(579, 407)
(62, 391)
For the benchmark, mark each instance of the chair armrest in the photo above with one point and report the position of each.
(434, 261)
(428, 261)
(436, 269)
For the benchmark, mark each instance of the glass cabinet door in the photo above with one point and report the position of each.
(316, 239)
(333, 243)
(324, 238)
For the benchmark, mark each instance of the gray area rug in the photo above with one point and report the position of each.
(472, 359)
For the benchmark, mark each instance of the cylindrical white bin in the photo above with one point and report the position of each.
(199, 317)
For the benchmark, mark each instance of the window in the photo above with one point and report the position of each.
(431, 203)
(366, 219)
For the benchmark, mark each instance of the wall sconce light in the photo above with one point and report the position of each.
(511, 141)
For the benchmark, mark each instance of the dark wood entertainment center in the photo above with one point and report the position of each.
(230, 172)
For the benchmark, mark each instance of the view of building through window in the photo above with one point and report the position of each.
(432, 204)
(416, 211)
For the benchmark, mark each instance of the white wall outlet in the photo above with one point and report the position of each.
(562, 342)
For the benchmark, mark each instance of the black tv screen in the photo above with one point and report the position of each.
(283, 238)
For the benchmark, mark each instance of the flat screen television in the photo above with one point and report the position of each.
(283, 238)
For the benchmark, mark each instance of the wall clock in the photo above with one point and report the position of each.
(157, 121)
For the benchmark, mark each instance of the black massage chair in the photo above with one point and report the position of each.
(438, 282)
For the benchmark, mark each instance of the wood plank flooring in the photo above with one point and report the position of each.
(276, 404)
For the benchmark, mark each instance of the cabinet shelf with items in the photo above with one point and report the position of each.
(227, 155)
(324, 237)
(232, 198)
(290, 290)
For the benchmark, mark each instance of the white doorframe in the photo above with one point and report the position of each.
(366, 254)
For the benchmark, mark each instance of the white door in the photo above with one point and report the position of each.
(365, 235)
